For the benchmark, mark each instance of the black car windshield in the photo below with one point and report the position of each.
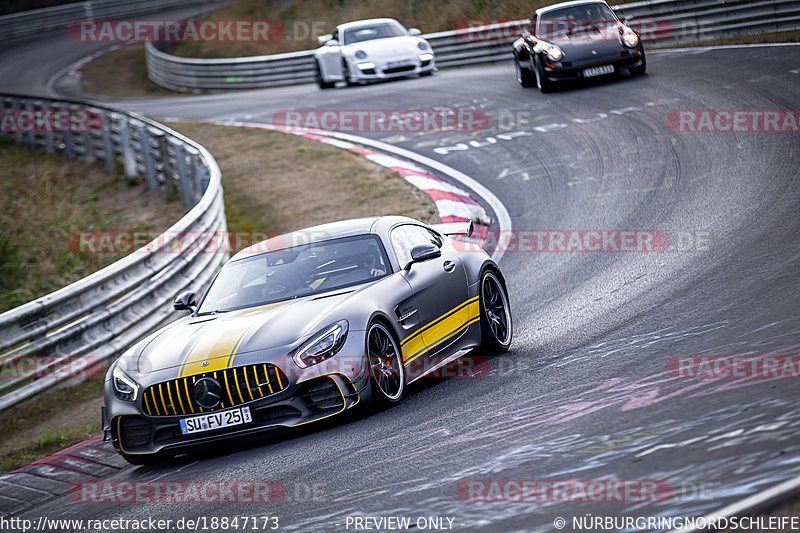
(373, 31)
(568, 20)
(296, 271)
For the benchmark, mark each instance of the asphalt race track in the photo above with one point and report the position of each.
(583, 393)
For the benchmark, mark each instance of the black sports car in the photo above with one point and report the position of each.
(305, 326)
(575, 41)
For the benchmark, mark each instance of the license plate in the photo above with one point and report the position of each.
(212, 421)
(598, 71)
(393, 64)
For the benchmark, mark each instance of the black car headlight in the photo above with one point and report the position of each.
(630, 38)
(124, 387)
(322, 346)
(554, 53)
(361, 54)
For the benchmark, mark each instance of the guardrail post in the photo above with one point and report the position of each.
(162, 160)
(126, 146)
(108, 145)
(200, 177)
(148, 160)
(184, 183)
(67, 137)
(30, 137)
(49, 136)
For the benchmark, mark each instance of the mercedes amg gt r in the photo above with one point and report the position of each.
(303, 327)
(371, 50)
(576, 41)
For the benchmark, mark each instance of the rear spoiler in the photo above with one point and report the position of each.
(455, 228)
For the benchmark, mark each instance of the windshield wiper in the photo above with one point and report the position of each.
(214, 312)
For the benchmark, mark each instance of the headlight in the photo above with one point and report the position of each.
(322, 346)
(422, 46)
(124, 387)
(361, 54)
(630, 38)
(554, 53)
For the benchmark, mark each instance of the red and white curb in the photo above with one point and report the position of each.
(454, 204)
(52, 476)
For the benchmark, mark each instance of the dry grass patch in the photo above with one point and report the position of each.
(280, 182)
(121, 73)
(46, 200)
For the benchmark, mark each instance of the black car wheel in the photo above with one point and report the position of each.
(496, 325)
(641, 69)
(346, 72)
(525, 77)
(387, 373)
(318, 76)
(542, 82)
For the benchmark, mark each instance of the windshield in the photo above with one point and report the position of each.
(295, 272)
(373, 31)
(567, 20)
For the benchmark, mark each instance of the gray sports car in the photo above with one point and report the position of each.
(305, 326)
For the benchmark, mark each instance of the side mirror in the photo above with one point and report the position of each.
(332, 42)
(414, 32)
(322, 39)
(423, 252)
(185, 301)
(626, 20)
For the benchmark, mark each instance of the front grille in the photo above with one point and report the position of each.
(239, 385)
(395, 70)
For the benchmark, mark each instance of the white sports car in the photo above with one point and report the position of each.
(368, 50)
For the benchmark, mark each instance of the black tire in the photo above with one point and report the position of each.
(144, 459)
(641, 69)
(542, 82)
(497, 328)
(525, 76)
(318, 76)
(346, 73)
(387, 375)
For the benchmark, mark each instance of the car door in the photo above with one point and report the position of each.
(440, 291)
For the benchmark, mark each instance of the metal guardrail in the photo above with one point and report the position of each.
(668, 22)
(60, 17)
(84, 324)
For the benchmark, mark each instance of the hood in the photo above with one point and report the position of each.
(391, 48)
(605, 41)
(200, 344)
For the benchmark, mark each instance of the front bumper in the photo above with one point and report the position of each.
(382, 71)
(299, 403)
(306, 395)
(574, 72)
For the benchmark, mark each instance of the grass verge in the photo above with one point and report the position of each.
(46, 200)
(273, 182)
